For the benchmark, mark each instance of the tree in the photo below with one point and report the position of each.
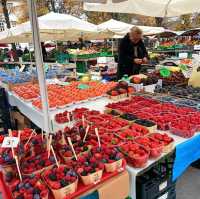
(51, 5)
(6, 16)
(5, 13)
(185, 22)
(159, 21)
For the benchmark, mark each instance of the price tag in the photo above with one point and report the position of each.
(160, 83)
(162, 186)
(10, 142)
(188, 73)
(164, 196)
(22, 68)
(196, 47)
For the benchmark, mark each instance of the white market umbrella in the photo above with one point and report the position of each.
(120, 28)
(53, 26)
(117, 27)
(155, 8)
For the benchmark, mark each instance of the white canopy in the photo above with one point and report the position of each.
(117, 27)
(53, 26)
(155, 8)
(120, 28)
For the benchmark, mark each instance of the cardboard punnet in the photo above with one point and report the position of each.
(116, 187)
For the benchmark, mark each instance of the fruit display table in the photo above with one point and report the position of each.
(181, 144)
(36, 116)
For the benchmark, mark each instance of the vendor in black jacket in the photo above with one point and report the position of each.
(132, 53)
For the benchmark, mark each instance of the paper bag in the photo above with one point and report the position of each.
(195, 76)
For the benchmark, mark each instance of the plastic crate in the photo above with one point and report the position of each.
(196, 164)
(156, 180)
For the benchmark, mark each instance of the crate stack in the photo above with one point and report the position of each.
(5, 122)
(156, 183)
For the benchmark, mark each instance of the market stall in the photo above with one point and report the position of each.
(103, 104)
(91, 134)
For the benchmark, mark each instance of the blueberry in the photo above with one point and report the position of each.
(98, 149)
(52, 159)
(20, 185)
(27, 185)
(36, 196)
(7, 159)
(117, 158)
(36, 191)
(66, 171)
(73, 174)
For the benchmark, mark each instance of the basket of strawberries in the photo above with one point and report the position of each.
(154, 146)
(135, 154)
(167, 141)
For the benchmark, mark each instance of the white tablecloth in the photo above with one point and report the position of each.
(37, 118)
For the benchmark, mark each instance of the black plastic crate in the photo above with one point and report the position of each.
(156, 180)
(196, 164)
(170, 193)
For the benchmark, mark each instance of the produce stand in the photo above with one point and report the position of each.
(181, 144)
(82, 151)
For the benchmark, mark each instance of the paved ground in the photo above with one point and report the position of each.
(188, 186)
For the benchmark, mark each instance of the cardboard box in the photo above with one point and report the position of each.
(115, 188)
(19, 120)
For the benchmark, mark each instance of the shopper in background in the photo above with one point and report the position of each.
(81, 44)
(44, 52)
(12, 55)
(132, 53)
(26, 51)
(19, 52)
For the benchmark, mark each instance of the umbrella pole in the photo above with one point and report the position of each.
(112, 47)
(31, 61)
(39, 64)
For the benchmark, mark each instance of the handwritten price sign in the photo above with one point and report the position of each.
(10, 142)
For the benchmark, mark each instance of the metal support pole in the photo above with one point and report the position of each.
(39, 64)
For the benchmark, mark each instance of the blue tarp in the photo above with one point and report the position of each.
(186, 153)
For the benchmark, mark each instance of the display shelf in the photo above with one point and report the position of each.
(36, 116)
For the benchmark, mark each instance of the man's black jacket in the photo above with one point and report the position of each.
(128, 51)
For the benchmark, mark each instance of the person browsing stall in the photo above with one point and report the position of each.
(132, 53)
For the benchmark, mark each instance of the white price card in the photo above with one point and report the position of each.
(10, 142)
